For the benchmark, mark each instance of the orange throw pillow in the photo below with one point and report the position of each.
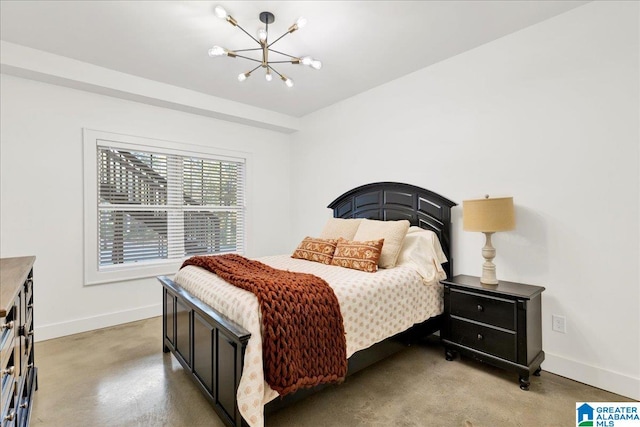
(358, 255)
(317, 250)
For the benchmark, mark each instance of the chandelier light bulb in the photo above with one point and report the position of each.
(262, 34)
(316, 64)
(243, 76)
(217, 51)
(306, 60)
(301, 22)
(287, 81)
(220, 12)
(268, 77)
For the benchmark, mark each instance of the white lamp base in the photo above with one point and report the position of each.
(488, 268)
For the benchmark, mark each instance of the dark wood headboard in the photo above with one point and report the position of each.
(388, 201)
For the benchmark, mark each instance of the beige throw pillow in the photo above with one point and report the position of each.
(340, 227)
(392, 232)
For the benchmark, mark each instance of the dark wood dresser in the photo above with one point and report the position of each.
(18, 374)
(496, 324)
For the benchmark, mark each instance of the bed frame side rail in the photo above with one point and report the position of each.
(208, 346)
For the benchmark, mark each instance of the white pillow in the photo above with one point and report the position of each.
(421, 250)
(392, 232)
(340, 227)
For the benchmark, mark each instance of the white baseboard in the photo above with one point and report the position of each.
(56, 330)
(597, 377)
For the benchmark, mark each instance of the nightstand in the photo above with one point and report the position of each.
(497, 324)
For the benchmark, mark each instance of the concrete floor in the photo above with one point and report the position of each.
(120, 377)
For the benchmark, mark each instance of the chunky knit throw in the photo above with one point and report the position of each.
(303, 340)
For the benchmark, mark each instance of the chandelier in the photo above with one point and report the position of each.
(264, 48)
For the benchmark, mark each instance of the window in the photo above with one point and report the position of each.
(156, 204)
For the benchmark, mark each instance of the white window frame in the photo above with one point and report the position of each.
(93, 273)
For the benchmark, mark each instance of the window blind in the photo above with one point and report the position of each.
(161, 206)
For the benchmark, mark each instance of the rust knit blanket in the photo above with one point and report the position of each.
(303, 340)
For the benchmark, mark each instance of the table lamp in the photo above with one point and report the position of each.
(488, 215)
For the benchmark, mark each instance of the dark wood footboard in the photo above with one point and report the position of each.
(209, 347)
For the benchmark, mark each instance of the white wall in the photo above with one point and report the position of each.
(41, 204)
(549, 115)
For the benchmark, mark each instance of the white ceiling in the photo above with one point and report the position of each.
(362, 44)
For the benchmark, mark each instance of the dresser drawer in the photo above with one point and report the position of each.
(489, 340)
(8, 325)
(9, 418)
(492, 311)
(7, 353)
(8, 404)
(8, 372)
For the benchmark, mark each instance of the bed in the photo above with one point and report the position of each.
(213, 349)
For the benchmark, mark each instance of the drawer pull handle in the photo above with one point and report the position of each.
(10, 416)
(9, 371)
(6, 326)
(29, 305)
(24, 405)
(480, 308)
(480, 337)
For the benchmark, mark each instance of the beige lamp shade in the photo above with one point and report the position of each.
(488, 215)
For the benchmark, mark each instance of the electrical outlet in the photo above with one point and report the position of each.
(559, 323)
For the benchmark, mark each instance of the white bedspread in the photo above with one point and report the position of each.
(374, 306)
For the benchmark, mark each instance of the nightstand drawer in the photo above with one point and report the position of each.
(493, 311)
(484, 338)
